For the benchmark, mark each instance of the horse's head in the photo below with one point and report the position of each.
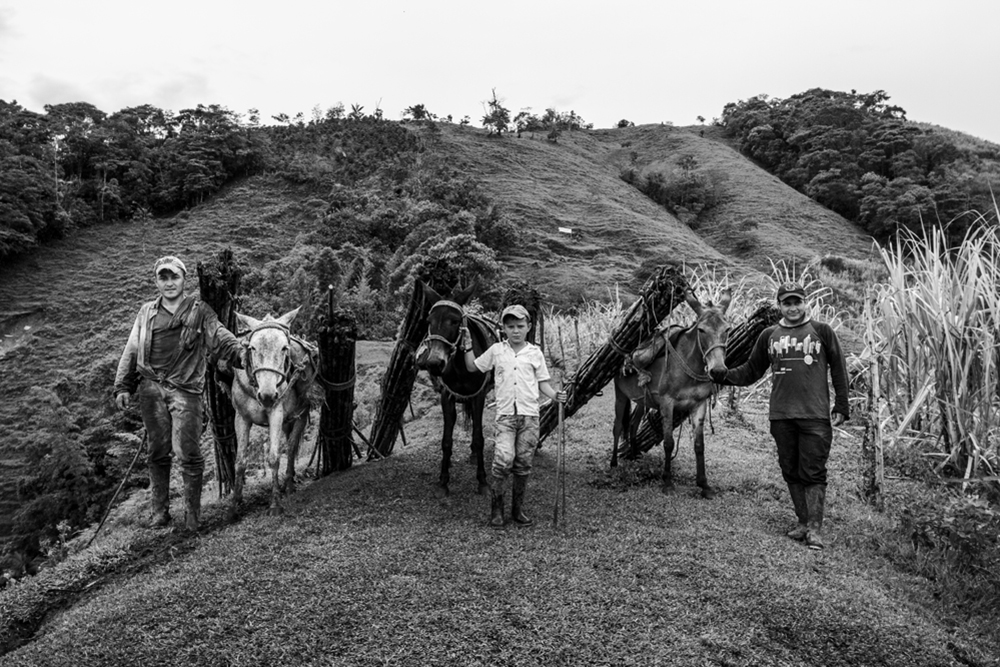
(444, 321)
(713, 331)
(268, 359)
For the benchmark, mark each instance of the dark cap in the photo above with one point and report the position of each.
(791, 289)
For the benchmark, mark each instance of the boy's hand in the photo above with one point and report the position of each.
(837, 419)
(121, 400)
(464, 339)
(560, 396)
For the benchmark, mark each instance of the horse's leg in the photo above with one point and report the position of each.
(698, 419)
(276, 429)
(667, 414)
(623, 405)
(634, 420)
(479, 442)
(450, 413)
(293, 438)
(242, 427)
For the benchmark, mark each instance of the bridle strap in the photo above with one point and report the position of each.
(287, 377)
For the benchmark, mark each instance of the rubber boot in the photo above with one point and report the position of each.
(159, 495)
(815, 499)
(517, 502)
(496, 502)
(192, 503)
(798, 493)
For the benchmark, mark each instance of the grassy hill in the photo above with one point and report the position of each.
(78, 297)
(575, 183)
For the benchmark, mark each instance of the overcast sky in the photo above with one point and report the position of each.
(648, 62)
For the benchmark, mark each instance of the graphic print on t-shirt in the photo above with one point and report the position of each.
(788, 349)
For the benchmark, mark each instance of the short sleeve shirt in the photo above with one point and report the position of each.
(516, 376)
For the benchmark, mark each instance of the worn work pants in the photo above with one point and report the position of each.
(173, 420)
(803, 449)
(514, 449)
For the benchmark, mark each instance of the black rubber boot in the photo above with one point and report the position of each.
(798, 494)
(496, 502)
(192, 503)
(159, 495)
(520, 518)
(815, 499)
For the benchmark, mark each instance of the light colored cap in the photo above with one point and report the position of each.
(517, 311)
(170, 262)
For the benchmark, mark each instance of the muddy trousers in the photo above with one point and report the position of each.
(513, 452)
(173, 421)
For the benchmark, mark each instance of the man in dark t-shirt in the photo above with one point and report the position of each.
(800, 351)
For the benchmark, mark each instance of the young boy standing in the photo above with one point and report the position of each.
(800, 351)
(520, 374)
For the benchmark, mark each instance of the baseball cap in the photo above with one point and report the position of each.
(170, 262)
(516, 311)
(791, 289)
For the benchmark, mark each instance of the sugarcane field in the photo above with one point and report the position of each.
(408, 417)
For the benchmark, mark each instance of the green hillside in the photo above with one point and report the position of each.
(78, 294)
(575, 183)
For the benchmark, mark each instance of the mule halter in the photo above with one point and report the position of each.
(704, 356)
(286, 374)
(452, 347)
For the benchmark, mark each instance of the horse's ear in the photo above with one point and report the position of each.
(286, 319)
(462, 296)
(431, 295)
(248, 322)
(725, 299)
(692, 301)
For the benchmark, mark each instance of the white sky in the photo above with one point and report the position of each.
(648, 61)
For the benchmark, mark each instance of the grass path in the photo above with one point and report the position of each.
(366, 567)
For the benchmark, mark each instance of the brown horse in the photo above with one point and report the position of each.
(437, 355)
(677, 382)
(272, 391)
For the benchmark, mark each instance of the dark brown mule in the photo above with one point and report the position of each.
(439, 355)
(678, 381)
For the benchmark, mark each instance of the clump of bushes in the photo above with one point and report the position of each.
(685, 190)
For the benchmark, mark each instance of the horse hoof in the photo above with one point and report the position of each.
(668, 489)
(232, 514)
(707, 492)
(483, 489)
(275, 510)
(441, 492)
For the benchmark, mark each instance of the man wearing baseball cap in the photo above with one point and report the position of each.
(520, 375)
(163, 363)
(800, 351)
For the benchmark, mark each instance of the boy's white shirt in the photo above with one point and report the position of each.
(516, 376)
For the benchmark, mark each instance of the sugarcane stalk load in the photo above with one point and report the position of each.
(337, 348)
(219, 283)
(663, 292)
(397, 383)
(742, 338)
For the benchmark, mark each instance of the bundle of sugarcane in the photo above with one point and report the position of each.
(742, 338)
(219, 283)
(663, 292)
(337, 342)
(521, 292)
(397, 383)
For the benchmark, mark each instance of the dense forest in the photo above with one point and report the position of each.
(857, 155)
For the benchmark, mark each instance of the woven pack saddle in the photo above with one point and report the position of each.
(651, 348)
